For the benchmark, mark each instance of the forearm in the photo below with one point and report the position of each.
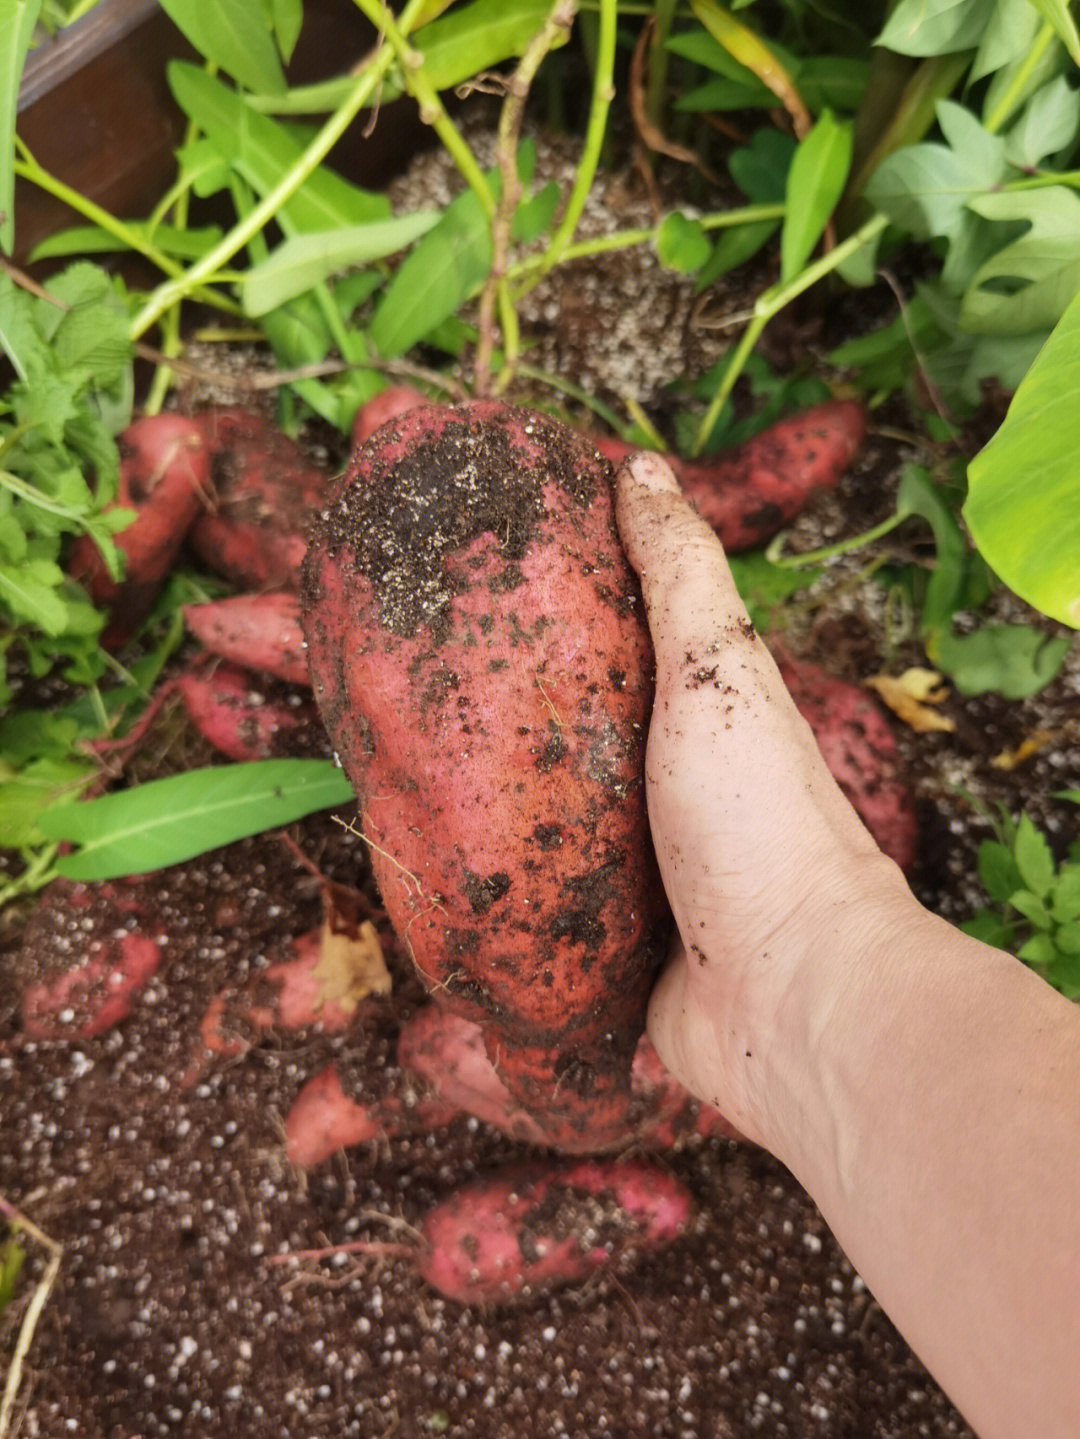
(926, 1091)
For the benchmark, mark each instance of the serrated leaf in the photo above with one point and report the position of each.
(815, 180)
(19, 337)
(1033, 858)
(1065, 895)
(262, 152)
(233, 35)
(1023, 505)
(1039, 949)
(170, 820)
(998, 870)
(24, 795)
(304, 261)
(29, 589)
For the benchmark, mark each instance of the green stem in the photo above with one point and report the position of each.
(321, 145)
(432, 110)
(829, 552)
(602, 96)
(1014, 95)
(769, 303)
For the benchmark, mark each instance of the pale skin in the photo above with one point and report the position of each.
(924, 1088)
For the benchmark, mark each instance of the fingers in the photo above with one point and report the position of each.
(699, 624)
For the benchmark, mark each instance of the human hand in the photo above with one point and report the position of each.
(766, 865)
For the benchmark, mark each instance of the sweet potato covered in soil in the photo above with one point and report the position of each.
(536, 1227)
(236, 717)
(264, 491)
(260, 632)
(482, 664)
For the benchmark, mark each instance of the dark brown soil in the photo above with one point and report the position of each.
(170, 1316)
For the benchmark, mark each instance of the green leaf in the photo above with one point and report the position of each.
(287, 17)
(815, 180)
(12, 1257)
(262, 152)
(1009, 36)
(30, 590)
(476, 37)
(1033, 909)
(1065, 895)
(1014, 661)
(918, 496)
(1057, 12)
(234, 36)
(935, 27)
(1023, 505)
(17, 21)
(1028, 284)
(1067, 938)
(532, 216)
(1048, 124)
(25, 794)
(1064, 974)
(986, 926)
(170, 820)
(1039, 949)
(998, 870)
(434, 279)
(681, 244)
(187, 244)
(304, 261)
(1033, 859)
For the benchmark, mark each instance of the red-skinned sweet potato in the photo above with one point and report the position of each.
(537, 1227)
(86, 953)
(387, 405)
(164, 478)
(746, 493)
(860, 750)
(481, 661)
(324, 1118)
(265, 491)
(260, 632)
(448, 1054)
(749, 492)
(236, 718)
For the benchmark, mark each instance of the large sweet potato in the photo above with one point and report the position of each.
(481, 661)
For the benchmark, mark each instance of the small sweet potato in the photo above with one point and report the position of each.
(387, 405)
(164, 478)
(324, 1118)
(749, 492)
(482, 664)
(259, 632)
(86, 953)
(448, 1054)
(537, 1227)
(860, 750)
(236, 718)
(265, 491)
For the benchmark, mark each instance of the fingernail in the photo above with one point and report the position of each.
(653, 472)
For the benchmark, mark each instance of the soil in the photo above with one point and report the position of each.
(171, 1315)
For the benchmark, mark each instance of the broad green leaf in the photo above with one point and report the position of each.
(723, 94)
(917, 495)
(1033, 858)
(764, 586)
(1057, 12)
(1029, 283)
(1023, 505)
(262, 152)
(532, 216)
(19, 337)
(1067, 938)
(286, 16)
(815, 180)
(233, 35)
(1047, 125)
(170, 820)
(998, 870)
(988, 928)
(304, 261)
(681, 244)
(476, 37)
(935, 27)
(1039, 949)
(1014, 661)
(434, 279)
(1009, 36)
(17, 21)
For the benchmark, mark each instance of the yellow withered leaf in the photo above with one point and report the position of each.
(351, 965)
(911, 697)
